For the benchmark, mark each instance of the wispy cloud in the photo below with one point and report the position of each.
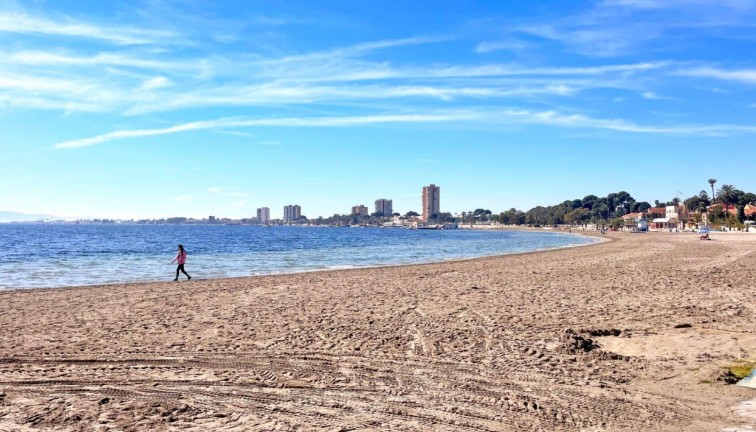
(550, 117)
(654, 96)
(22, 23)
(155, 83)
(278, 122)
(502, 45)
(618, 28)
(556, 118)
(747, 76)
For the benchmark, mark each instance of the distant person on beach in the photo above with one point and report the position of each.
(181, 259)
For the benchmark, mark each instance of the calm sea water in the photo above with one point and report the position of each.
(34, 256)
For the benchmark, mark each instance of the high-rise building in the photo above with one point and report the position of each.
(263, 215)
(360, 210)
(431, 201)
(384, 206)
(292, 213)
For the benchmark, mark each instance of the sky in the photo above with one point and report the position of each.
(159, 108)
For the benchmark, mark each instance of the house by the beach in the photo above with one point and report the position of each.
(673, 216)
(749, 209)
(633, 221)
(733, 210)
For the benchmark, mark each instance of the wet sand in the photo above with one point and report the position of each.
(573, 339)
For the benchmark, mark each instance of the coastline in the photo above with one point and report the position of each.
(476, 344)
(598, 239)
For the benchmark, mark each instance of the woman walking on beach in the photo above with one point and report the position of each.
(181, 259)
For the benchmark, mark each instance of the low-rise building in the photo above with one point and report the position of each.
(359, 210)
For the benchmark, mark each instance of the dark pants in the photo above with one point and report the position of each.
(180, 268)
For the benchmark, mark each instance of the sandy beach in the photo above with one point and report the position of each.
(629, 334)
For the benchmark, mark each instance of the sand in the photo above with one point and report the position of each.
(574, 339)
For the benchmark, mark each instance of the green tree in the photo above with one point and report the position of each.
(641, 206)
(712, 182)
(618, 223)
(588, 201)
(577, 216)
(748, 198)
(725, 195)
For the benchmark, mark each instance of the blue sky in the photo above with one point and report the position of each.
(164, 108)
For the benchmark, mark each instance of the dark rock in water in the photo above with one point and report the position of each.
(678, 326)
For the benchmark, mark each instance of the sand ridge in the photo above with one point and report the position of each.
(575, 339)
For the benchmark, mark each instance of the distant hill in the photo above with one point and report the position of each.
(9, 216)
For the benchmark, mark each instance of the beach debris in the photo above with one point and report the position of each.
(684, 325)
(605, 332)
(728, 377)
(104, 401)
(572, 342)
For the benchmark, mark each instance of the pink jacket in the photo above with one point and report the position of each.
(181, 258)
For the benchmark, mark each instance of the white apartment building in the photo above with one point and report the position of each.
(263, 215)
(292, 213)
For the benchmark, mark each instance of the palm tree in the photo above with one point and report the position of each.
(712, 181)
(725, 195)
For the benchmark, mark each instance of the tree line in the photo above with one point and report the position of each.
(610, 209)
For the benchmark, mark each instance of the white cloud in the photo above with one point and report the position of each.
(60, 58)
(555, 118)
(22, 23)
(654, 96)
(650, 95)
(155, 83)
(504, 45)
(747, 76)
(552, 118)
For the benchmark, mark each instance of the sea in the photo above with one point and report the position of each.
(59, 255)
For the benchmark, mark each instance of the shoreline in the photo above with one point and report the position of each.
(598, 237)
(630, 334)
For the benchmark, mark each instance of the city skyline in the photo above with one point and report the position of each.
(155, 109)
